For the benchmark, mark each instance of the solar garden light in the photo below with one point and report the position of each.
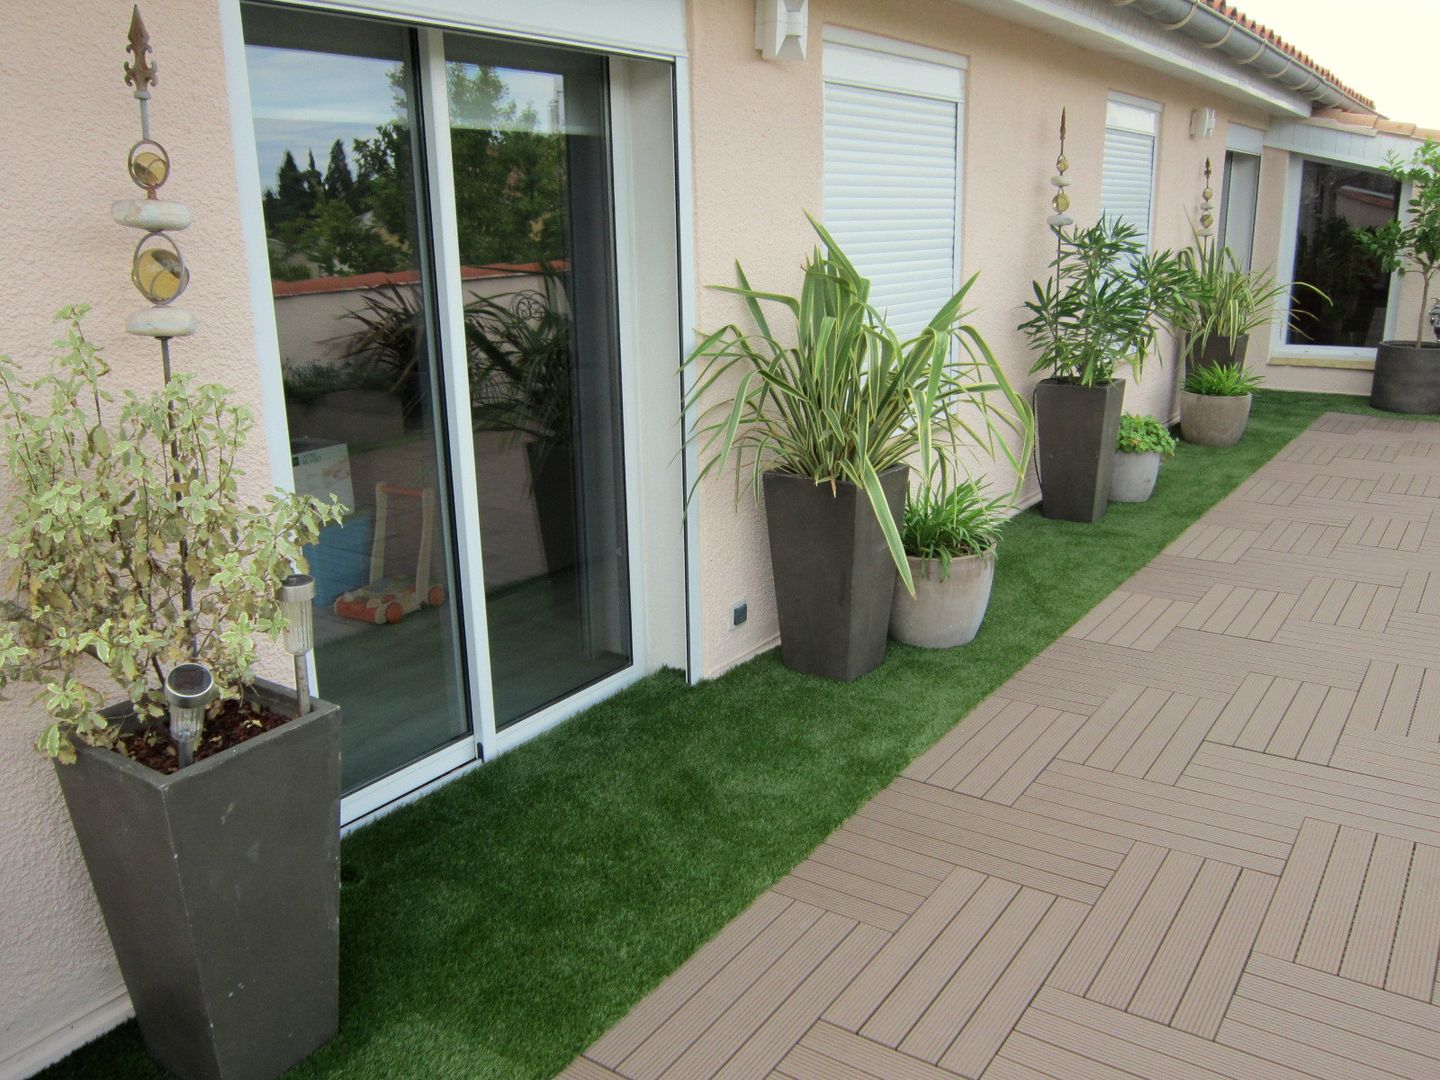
(296, 595)
(189, 688)
(1435, 318)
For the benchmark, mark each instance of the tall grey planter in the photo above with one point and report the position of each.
(220, 888)
(1076, 427)
(834, 576)
(1218, 350)
(1406, 379)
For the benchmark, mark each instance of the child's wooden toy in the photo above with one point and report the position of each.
(388, 600)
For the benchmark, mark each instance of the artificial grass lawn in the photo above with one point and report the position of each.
(498, 926)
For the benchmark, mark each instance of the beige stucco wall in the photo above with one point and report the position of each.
(758, 159)
(69, 117)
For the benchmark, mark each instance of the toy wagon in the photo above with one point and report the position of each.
(390, 599)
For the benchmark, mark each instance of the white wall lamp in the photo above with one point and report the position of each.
(781, 27)
(1202, 123)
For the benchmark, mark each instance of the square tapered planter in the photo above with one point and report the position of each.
(1077, 427)
(834, 575)
(220, 888)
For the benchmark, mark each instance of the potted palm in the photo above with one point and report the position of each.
(1215, 404)
(141, 581)
(1224, 304)
(1407, 374)
(1141, 444)
(1101, 308)
(950, 538)
(825, 417)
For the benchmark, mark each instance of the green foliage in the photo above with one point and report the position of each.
(1415, 243)
(128, 541)
(848, 399)
(1144, 435)
(1222, 300)
(307, 383)
(946, 525)
(1104, 303)
(1222, 380)
(520, 354)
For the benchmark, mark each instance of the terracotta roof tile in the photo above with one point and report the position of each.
(1244, 21)
(1378, 123)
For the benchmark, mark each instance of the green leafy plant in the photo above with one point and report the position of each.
(130, 547)
(1222, 300)
(1413, 245)
(950, 524)
(1104, 303)
(840, 398)
(1144, 435)
(1222, 380)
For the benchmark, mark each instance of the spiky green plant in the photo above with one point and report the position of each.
(950, 524)
(1222, 300)
(840, 398)
(1222, 380)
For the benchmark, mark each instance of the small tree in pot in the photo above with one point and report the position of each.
(1142, 442)
(825, 418)
(1215, 404)
(1101, 309)
(1407, 374)
(134, 559)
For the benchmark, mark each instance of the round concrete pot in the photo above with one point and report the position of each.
(1407, 379)
(1133, 476)
(1213, 420)
(943, 613)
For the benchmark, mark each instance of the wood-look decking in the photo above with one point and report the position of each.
(1198, 836)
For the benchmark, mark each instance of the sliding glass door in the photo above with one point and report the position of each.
(356, 236)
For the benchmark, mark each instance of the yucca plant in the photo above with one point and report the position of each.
(839, 397)
(1222, 300)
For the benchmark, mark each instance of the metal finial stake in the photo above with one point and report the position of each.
(142, 73)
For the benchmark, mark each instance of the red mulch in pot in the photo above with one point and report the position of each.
(233, 723)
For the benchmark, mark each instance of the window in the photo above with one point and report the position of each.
(1238, 200)
(892, 173)
(1127, 184)
(1337, 204)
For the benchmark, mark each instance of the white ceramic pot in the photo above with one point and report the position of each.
(1132, 479)
(943, 613)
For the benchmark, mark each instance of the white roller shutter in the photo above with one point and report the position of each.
(892, 173)
(1127, 186)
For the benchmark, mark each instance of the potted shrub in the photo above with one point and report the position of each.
(1100, 309)
(1142, 442)
(950, 538)
(1224, 304)
(1407, 373)
(1215, 404)
(825, 417)
(135, 561)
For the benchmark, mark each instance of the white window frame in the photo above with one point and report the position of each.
(1280, 349)
(871, 62)
(1126, 112)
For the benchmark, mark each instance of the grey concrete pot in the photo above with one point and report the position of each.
(944, 612)
(1133, 476)
(1076, 428)
(834, 577)
(1217, 350)
(1407, 379)
(1213, 419)
(220, 887)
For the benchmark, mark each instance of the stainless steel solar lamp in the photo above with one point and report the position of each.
(189, 688)
(297, 596)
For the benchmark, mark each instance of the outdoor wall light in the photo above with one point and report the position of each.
(297, 595)
(189, 688)
(1202, 123)
(781, 27)
(1435, 318)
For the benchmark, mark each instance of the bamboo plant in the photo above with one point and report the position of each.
(835, 394)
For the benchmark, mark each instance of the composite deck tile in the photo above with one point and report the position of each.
(1196, 836)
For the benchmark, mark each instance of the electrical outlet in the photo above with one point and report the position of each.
(739, 612)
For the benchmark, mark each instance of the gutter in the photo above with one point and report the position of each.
(1209, 28)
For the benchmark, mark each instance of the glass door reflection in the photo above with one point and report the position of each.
(534, 218)
(352, 289)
